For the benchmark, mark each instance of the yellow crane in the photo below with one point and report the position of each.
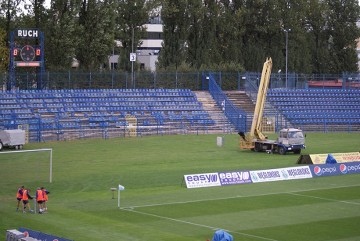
(289, 140)
(247, 141)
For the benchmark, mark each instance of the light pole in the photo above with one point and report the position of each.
(286, 55)
(132, 62)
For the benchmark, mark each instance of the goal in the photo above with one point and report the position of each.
(26, 166)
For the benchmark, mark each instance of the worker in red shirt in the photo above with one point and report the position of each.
(40, 199)
(46, 198)
(25, 198)
(19, 195)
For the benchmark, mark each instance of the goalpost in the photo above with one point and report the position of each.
(10, 167)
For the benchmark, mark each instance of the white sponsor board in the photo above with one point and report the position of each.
(280, 174)
(297, 172)
(202, 180)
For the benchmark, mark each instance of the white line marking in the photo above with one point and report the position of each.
(196, 224)
(326, 199)
(239, 196)
(131, 208)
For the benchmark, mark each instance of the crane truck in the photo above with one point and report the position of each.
(289, 139)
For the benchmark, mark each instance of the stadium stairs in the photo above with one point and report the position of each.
(241, 100)
(222, 125)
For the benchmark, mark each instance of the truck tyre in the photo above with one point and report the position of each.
(297, 151)
(257, 147)
(1, 146)
(282, 151)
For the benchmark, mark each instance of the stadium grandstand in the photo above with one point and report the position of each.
(217, 103)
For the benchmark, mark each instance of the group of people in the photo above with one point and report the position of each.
(23, 195)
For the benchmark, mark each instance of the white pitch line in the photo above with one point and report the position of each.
(131, 208)
(197, 224)
(238, 196)
(326, 199)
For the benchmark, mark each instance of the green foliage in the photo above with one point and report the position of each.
(233, 35)
(62, 33)
(4, 52)
(342, 31)
(129, 29)
(97, 33)
(174, 16)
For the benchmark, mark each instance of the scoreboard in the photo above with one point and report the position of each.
(28, 56)
(26, 50)
(24, 53)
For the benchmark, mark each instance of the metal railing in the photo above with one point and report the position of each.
(174, 80)
(235, 115)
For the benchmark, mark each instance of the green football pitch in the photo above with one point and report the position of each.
(156, 205)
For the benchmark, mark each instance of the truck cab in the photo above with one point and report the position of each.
(291, 140)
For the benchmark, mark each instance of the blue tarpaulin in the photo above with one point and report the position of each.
(221, 235)
(330, 159)
(42, 236)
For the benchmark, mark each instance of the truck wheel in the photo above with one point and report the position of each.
(1, 146)
(297, 151)
(257, 147)
(21, 147)
(282, 151)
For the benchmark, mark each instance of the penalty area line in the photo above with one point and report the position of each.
(194, 224)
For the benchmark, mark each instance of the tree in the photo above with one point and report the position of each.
(342, 33)
(229, 41)
(195, 41)
(62, 33)
(8, 11)
(175, 17)
(4, 52)
(96, 39)
(129, 28)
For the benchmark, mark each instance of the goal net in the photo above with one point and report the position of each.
(26, 166)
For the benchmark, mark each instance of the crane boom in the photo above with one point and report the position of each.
(247, 142)
(255, 130)
(289, 139)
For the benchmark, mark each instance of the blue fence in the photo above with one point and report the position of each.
(28, 105)
(235, 115)
(174, 80)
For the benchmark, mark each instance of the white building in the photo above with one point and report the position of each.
(148, 52)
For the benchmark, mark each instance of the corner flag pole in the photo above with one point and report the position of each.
(118, 197)
(120, 188)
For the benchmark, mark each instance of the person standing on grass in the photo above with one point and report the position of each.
(40, 199)
(25, 198)
(19, 195)
(46, 198)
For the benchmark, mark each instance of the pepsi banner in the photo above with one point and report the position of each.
(322, 170)
(216, 179)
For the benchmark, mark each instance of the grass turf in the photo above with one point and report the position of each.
(157, 206)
